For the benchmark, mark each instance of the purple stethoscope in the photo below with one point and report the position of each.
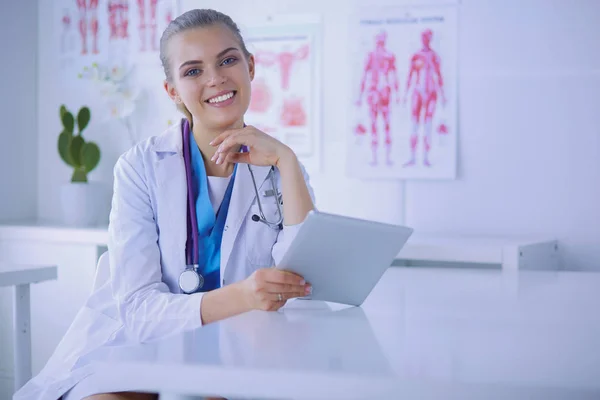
(190, 280)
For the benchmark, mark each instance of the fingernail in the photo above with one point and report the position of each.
(308, 290)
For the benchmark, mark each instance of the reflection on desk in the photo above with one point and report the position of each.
(425, 333)
(317, 337)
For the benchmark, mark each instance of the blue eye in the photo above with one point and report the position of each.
(229, 60)
(192, 72)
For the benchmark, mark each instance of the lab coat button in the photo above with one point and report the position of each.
(226, 227)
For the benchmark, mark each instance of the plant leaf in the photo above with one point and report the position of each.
(63, 110)
(64, 144)
(75, 151)
(90, 156)
(68, 122)
(83, 118)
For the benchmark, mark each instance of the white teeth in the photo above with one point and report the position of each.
(221, 98)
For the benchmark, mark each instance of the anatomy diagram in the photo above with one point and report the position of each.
(261, 98)
(426, 79)
(378, 78)
(88, 24)
(293, 113)
(66, 42)
(147, 28)
(284, 59)
(292, 109)
(152, 14)
(118, 19)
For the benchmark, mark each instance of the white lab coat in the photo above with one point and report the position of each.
(147, 233)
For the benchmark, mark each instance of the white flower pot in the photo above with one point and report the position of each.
(84, 204)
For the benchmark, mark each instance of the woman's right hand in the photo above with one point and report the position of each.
(269, 288)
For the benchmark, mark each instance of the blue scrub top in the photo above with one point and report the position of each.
(210, 227)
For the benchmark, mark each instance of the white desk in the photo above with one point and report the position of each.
(421, 334)
(509, 252)
(21, 277)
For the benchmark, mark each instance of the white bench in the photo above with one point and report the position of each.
(509, 252)
(21, 277)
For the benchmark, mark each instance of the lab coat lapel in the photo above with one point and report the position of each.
(172, 192)
(170, 172)
(242, 197)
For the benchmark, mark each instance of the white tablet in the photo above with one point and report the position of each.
(343, 258)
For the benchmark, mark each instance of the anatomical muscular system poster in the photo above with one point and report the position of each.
(403, 109)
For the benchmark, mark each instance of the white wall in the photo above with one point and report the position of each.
(529, 133)
(18, 109)
(528, 144)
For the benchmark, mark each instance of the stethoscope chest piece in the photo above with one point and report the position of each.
(190, 280)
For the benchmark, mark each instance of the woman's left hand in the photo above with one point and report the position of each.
(263, 149)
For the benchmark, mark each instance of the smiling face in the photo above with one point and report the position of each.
(210, 75)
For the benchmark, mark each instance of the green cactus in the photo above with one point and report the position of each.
(73, 149)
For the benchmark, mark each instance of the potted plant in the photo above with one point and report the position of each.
(80, 199)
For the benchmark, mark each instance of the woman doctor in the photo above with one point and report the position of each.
(208, 73)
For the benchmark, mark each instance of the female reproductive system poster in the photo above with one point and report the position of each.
(285, 89)
(403, 108)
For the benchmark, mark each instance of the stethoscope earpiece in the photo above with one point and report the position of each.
(255, 218)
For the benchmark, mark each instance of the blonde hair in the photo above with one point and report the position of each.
(188, 115)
